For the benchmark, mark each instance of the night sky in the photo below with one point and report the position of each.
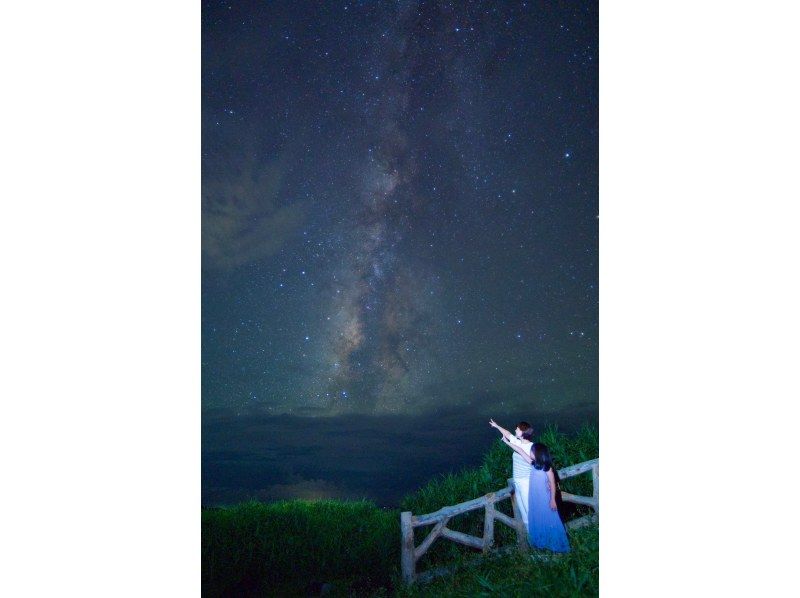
(400, 210)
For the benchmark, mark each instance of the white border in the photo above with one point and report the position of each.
(101, 320)
(698, 296)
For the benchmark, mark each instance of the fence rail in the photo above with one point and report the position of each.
(410, 554)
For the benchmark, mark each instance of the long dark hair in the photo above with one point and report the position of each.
(541, 457)
(526, 429)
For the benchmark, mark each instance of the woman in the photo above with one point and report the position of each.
(521, 468)
(545, 529)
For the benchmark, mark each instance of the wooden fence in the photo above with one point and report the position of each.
(410, 554)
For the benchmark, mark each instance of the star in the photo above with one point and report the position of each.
(388, 168)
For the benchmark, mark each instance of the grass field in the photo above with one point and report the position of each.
(352, 548)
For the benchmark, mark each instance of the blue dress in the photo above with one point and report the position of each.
(545, 529)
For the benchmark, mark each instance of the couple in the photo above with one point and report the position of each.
(535, 488)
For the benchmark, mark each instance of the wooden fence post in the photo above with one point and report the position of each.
(407, 548)
(409, 554)
(488, 523)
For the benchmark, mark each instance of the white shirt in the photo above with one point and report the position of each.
(522, 469)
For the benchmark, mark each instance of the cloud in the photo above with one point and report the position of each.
(297, 488)
(244, 217)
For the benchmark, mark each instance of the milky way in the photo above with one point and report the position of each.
(399, 205)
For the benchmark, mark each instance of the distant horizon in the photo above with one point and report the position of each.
(377, 457)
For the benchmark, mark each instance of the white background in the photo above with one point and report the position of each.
(100, 331)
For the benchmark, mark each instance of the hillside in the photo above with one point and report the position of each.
(353, 547)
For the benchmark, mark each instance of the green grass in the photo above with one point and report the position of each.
(514, 574)
(289, 548)
(256, 549)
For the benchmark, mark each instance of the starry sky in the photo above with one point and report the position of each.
(399, 208)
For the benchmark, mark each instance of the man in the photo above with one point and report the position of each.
(521, 468)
